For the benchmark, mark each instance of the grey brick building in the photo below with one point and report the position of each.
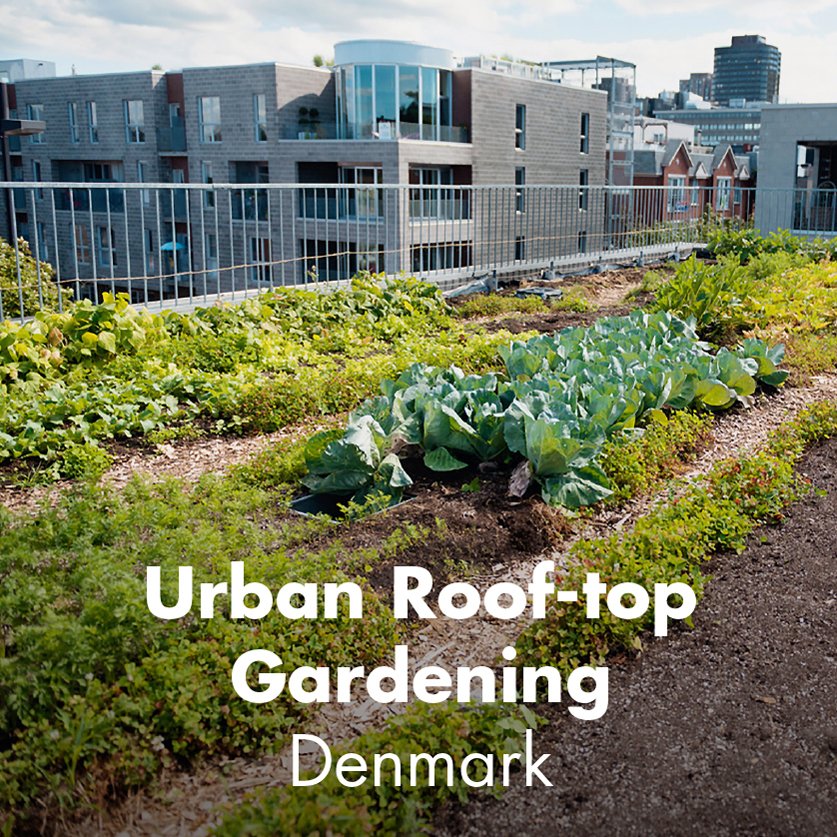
(380, 159)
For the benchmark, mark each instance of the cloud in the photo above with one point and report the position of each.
(113, 35)
(758, 12)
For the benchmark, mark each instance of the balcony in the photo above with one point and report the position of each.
(325, 204)
(172, 139)
(385, 131)
(87, 200)
(312, 131)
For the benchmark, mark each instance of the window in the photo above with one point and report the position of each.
(134, 120)
(429, 103)
(43, 247)
(104, 172)
(82, 245)
(249, 204)
(209, 118)
(93, 122)
(584, 140)
(519, 192)
(519, 248)
(37, 177)
(365, 200)
(736, 195)
(72, 120)
(106, 246)
(142, 177)
(385, 101)
(433, 199)
(148, 252)
(36, 112)
(211, 249)
(695, 190)
(259, 260)
(583, 191)
(206, 177)
(676, 194)
(582, 241)
(520, 127)
(260, 117)
(408, 99)
(722, 193)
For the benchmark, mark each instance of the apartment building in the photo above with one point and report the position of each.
(285, 162)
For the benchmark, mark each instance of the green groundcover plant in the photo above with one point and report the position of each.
(101, 372)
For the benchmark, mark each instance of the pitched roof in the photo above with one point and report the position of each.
(721, 151)
(672, 149)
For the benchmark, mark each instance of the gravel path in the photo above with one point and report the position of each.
(728, 729)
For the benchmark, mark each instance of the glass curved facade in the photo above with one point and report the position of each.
(394, 101)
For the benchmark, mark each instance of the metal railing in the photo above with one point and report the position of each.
(381, 130)
(192, 244)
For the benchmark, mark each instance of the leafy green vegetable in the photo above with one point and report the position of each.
(562, 398)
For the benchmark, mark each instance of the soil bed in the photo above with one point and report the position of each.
(730, 728)
(468, 531)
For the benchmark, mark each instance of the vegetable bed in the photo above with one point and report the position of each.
(559, 399)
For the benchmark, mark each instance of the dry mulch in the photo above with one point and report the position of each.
(187, 460)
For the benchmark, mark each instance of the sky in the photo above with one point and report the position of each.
(665, 39)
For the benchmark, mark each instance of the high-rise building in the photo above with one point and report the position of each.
(748, 70)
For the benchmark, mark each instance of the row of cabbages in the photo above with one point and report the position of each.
(561, 398)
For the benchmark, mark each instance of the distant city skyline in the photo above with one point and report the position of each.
(666, 42)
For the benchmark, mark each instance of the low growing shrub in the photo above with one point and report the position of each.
(39, 288)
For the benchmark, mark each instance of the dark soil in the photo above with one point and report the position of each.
(727, 729)
(467, 531)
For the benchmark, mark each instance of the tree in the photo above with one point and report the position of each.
(157, 67)
(10, 292)
(319, 61)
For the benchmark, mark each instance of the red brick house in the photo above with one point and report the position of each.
(694, 180)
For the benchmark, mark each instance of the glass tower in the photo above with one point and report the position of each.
(747, 70)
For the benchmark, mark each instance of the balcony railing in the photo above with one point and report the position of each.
(312, 131)
(383, 131)
(172, 138)
(90, 199)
